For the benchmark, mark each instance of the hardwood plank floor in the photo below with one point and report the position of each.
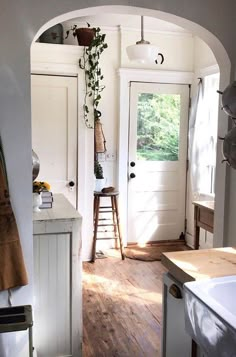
(122, 307)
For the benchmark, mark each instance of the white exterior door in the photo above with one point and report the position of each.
(157, 161)
(54, 131)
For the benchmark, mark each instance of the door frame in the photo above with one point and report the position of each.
(136, 75)
(61, 60)
(173, 169)
(43, 62)
(69, 123)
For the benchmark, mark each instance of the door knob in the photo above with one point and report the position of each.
(132, 175)
(175, 291)
(132, 164)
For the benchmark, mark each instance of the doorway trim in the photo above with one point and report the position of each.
(197, 28)
(136, 75)
(44, 60)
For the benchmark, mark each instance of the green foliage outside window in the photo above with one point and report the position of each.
(158, 127)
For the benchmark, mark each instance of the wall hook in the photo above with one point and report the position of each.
(162, 58)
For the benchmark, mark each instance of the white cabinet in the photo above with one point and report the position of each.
(57, 281)
(175, 340)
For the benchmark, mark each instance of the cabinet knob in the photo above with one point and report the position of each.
(175, 291)
(132, 164)
(132, 175)
(71, 184)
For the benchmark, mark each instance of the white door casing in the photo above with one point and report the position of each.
(156, 195)
(54, 131)
(126, 77)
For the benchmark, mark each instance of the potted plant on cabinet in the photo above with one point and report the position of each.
(90, 63)
(99, 178)
(93, 77)
(84, 35)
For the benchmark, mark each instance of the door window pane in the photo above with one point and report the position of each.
(158, 119)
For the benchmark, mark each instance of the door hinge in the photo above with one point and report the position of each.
(190, 102)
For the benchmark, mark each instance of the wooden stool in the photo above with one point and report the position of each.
(115, 219)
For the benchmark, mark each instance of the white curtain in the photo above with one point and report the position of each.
(202, 136)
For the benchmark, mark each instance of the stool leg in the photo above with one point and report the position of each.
(118, 226)
(114, 220)
(31, 349)
(94, 208)
(96, 214)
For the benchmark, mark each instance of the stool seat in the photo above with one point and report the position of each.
(108, 194)
(113, 209)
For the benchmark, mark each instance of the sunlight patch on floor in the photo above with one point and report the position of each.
(117, 288)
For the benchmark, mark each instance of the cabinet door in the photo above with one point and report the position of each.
(175, 340)
(52, 295)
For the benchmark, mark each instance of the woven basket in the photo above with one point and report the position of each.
(99, 138)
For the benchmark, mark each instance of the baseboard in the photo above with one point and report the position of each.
(161, 242)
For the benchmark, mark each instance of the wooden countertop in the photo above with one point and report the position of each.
(206, 204)
(62, 209)
(200, 264)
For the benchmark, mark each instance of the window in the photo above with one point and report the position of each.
(158, 127)
(210, 103)
(203, 136)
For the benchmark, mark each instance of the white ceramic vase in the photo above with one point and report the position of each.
(99, 184)
(37, 201)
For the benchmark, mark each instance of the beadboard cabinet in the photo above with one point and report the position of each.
(175, 340)
(57, 280)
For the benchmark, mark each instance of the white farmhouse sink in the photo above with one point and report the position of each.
(210, 315)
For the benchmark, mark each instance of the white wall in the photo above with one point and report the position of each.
(15, 119)
(177, 49)
(203, 56)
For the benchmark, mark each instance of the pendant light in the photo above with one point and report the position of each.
(143, 51)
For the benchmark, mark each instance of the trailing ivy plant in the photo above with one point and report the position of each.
(90, 63)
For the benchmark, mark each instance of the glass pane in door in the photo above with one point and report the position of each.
(158, 123)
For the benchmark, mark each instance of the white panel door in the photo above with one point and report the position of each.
(54, 131)
(157, 161)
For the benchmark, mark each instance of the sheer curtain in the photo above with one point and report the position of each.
(203, 135)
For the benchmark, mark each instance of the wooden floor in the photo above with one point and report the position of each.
(122, 307)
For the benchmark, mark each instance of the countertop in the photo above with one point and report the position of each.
(200, 264)
(206, 204)
(62, 209)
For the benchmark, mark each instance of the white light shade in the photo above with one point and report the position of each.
(142, 53)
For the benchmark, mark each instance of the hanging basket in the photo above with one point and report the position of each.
(99, 138)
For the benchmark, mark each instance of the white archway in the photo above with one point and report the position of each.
(210, 39)
(224, 64)
(15, 93)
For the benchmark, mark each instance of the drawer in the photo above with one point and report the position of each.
(206, 217)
